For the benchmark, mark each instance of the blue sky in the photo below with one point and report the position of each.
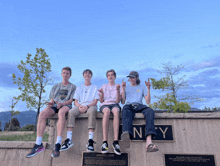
(124, 36)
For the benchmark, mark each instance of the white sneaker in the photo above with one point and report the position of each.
(66, 145)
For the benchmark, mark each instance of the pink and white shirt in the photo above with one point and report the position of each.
(110, 94)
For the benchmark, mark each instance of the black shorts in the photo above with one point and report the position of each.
(110, 106)
(57, 110)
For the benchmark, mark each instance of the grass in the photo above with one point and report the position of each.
(23, 137)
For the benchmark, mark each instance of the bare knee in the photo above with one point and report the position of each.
(44, 114)
(115, 111)
(106, 112)
(62, 112)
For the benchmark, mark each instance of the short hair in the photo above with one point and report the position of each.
(68, 69)
(112, 72)
(87, 70)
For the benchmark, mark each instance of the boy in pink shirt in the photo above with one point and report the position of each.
(109, 97)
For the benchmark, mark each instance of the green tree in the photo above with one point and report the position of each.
(171, 83)
(28, 127)
(12, 106)
(15, 125)
(36, 76)
(215, 109)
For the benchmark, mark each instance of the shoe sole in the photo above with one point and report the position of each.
(116, 151)
(54, 156)
(125, 138)
(153, 150)
(103, 152)
(89, 150)
(66, 148)
(34, 154)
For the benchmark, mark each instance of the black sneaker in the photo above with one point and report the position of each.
(104, 148)
(56, 151)
(66, 145)
(116, 148)
(89, 145)
(35, 150)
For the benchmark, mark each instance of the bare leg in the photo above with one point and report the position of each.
(70, 128)
(41, 125)
(149, 141)
(115, 112)
(91, 130)
(61, 120)
(105, 123)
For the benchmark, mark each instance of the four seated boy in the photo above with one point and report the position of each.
(85, 99)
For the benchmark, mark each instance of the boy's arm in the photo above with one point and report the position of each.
(118, 97)
(67, 102)
(147, 97)
(51, 96)
(123, 97)
(76, 103)
(101, 95)
(59, 105)
(123, 92)
(93, 103)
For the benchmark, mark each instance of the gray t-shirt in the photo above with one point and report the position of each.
(135, 94)
(62, 93)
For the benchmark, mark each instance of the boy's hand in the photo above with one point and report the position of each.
(51, 103)
(148, 84)
(123, 84)
(59, 105)
(101, 94)
(117, 87)
(82, 109)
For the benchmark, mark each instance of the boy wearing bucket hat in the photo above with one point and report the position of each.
(132, 96)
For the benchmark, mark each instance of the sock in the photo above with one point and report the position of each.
(115, 142)
(39, 140)
(91, 135)
(69, 135)
(59, 139)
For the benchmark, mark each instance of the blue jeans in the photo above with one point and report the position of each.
(128, 113)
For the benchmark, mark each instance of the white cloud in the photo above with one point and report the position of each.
(9, 75)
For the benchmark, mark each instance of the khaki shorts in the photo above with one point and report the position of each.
(74, 112)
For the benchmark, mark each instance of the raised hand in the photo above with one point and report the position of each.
(59, 105)
(123, 84)
(148, 84)
(101, 92)
(117, 87)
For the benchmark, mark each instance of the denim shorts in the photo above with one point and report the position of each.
(57, 110)
(110, 106)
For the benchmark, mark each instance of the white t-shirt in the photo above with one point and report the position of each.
(110, 94)
(86, 94)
